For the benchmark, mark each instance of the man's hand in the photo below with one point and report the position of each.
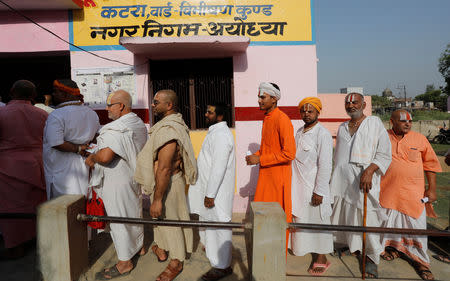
(83, 152)
(90, 161)
(252, 159)
(316, 200)
(209, 202)
(365, 183)
(431, 194)
(156, 209)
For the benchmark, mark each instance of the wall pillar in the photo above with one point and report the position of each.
(61, 239)
(268, 242)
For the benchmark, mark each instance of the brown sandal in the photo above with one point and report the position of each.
(154, 249)
(169, 273)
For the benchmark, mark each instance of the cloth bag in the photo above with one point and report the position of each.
(95, 207)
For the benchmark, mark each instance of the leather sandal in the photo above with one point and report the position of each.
(169, 273)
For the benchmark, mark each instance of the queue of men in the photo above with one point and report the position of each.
(294, 170)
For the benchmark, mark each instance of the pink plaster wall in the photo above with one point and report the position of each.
(293, 68)
(19, 35)
(85, 60)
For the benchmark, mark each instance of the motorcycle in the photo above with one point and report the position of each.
(443, 137)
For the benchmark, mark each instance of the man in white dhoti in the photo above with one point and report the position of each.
(165, 165)
(363, 154)
(212, 196)
(403, 192)
(114, 164)
(311, 171)
(68, 130)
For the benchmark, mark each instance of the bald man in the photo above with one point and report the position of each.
(403, 192)
(114, 164)
(362, 155)
(311, 172)
(165, 165)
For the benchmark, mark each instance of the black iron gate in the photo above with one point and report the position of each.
(197, 84)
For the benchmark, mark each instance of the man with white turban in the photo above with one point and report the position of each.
(311, 171)
(276, 152)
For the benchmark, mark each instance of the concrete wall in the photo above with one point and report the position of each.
(428, 128)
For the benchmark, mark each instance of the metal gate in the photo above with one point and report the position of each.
(197, 84)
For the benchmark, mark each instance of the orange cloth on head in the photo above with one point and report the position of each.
(312, 101)
(276, 152)
(403, 185)
(67, 89)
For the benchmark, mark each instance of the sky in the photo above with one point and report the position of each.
(376, 44)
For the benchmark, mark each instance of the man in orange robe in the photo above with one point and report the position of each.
(403, 192)
(22, 181)
(276, 152)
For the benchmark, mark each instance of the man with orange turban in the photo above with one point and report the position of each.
(276, 152)
(311, 172)
(68, 130)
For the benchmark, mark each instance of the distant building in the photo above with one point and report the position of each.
(417, 104)
(349, 90)
(387, 93)
(402, 103)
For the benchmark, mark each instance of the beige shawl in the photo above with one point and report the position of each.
(171, 127)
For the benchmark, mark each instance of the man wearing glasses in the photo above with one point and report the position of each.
(114, 164)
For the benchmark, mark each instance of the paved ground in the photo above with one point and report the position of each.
(147, 267)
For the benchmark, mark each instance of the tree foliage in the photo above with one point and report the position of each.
(444, 68)
(435, 96)
(381, 101)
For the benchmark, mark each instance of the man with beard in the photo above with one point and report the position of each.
(164, 167)
(212, 196)
(276, 152)
(68, 130)
(311, 171)
(114, 164)
(363, 154)
(403, 190)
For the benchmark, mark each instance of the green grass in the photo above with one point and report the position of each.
(440, 149)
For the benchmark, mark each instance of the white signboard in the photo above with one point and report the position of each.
(97, 83)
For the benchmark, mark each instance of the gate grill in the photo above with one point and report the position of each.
(197, 83)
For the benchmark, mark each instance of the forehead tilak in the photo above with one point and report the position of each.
(405, 116)
(109, 98)
(307, 107)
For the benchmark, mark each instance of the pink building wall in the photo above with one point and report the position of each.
(19, 35)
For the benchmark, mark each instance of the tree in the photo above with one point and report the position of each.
(433, 95)
(444, 68)
(381, 102)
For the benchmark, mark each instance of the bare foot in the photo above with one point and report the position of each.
(143, 251)
(160, 253)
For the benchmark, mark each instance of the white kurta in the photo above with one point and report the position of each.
(216, 179)
(370, 144)
(115, 184)
(311, 171)
(66, 172)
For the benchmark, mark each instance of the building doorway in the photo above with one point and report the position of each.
(40, 68)
(197, 82)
